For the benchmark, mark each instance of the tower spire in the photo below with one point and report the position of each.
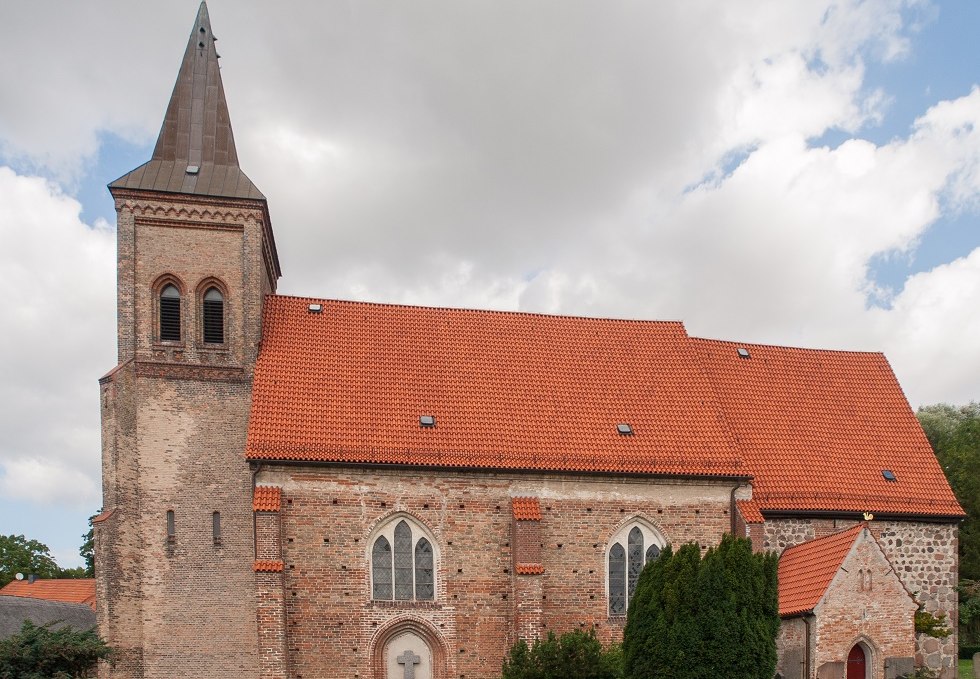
(195, 152)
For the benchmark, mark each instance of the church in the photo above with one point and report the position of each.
(311, 488)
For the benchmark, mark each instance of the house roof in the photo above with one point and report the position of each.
(196, 131)
(77, 591)
(15, 610)
(806, 570)
(817, 429)
(507, 391)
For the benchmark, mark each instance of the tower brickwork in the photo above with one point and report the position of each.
(196, 259)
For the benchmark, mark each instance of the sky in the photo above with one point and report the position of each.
(792, 172)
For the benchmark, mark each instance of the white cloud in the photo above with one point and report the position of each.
(930, 334)
(58, 276)
(540, 156)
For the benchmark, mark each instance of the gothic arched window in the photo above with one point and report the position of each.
(630, 549)
(170, 313)
(214, 317)
(402, 563)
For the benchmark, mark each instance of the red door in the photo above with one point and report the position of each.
(855, 663)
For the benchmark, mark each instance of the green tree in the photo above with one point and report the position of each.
(699, 618)
(954, 433)
(739, 608)
(74, 573)
(40, 652)
(87, 550)
(20, 555)
(575, 654)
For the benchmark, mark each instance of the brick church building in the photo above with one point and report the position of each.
(306, 488)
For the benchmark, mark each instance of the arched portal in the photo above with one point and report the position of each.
(409, 648)
(857, 662)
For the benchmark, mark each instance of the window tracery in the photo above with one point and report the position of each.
(402, 563)
(630, 549)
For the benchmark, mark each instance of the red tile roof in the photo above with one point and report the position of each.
(534, 392)
(76, 591)
(526, 508)
(267, 499)
(750, 511)
(508, 391)
(816, 428)
(260, 566)
(806, 570)
(104, 516)
(529, 569)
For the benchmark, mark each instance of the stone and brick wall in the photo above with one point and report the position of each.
(175, 417)
(924, 556)
(328, 515)
(866, 603)
(792, 648)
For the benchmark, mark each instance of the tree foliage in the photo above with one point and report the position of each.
(954, 433)
(87, 550)
(20, 555)
(40, 652)
(575, 654)
(694, 617)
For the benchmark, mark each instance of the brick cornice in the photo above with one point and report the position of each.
(174, 371)
(160, 205)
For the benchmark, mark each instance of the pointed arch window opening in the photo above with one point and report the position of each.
(626, 559)
(170, 313)
(214, 317)
(402, 569)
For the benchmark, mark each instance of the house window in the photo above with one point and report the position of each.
(630, 549)
(216, 527)
(171, 526)
(170, 313)
(214, 317)
(402, 563)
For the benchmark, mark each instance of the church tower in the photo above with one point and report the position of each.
(196, 260)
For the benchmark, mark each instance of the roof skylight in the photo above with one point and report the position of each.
(427, 420)
(624, 429)
(889, 475)
(744, 353)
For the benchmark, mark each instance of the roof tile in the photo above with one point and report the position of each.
(529, 569)
(526, 508)
(267, 499)
(816, 428)
(265, 566)
(76, 591)
(749, 509)
(508, 391)
(806, 570)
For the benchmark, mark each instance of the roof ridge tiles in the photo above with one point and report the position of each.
(506, 312)
(785, 347)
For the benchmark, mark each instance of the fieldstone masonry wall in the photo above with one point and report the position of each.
(924, 556)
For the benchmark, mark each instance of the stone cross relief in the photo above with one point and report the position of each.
(409, 660)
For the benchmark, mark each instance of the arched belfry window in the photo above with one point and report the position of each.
(170, 313)
(214, 317)
(630, 549)
(402, 563)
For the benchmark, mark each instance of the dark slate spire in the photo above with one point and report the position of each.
(195, 152)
